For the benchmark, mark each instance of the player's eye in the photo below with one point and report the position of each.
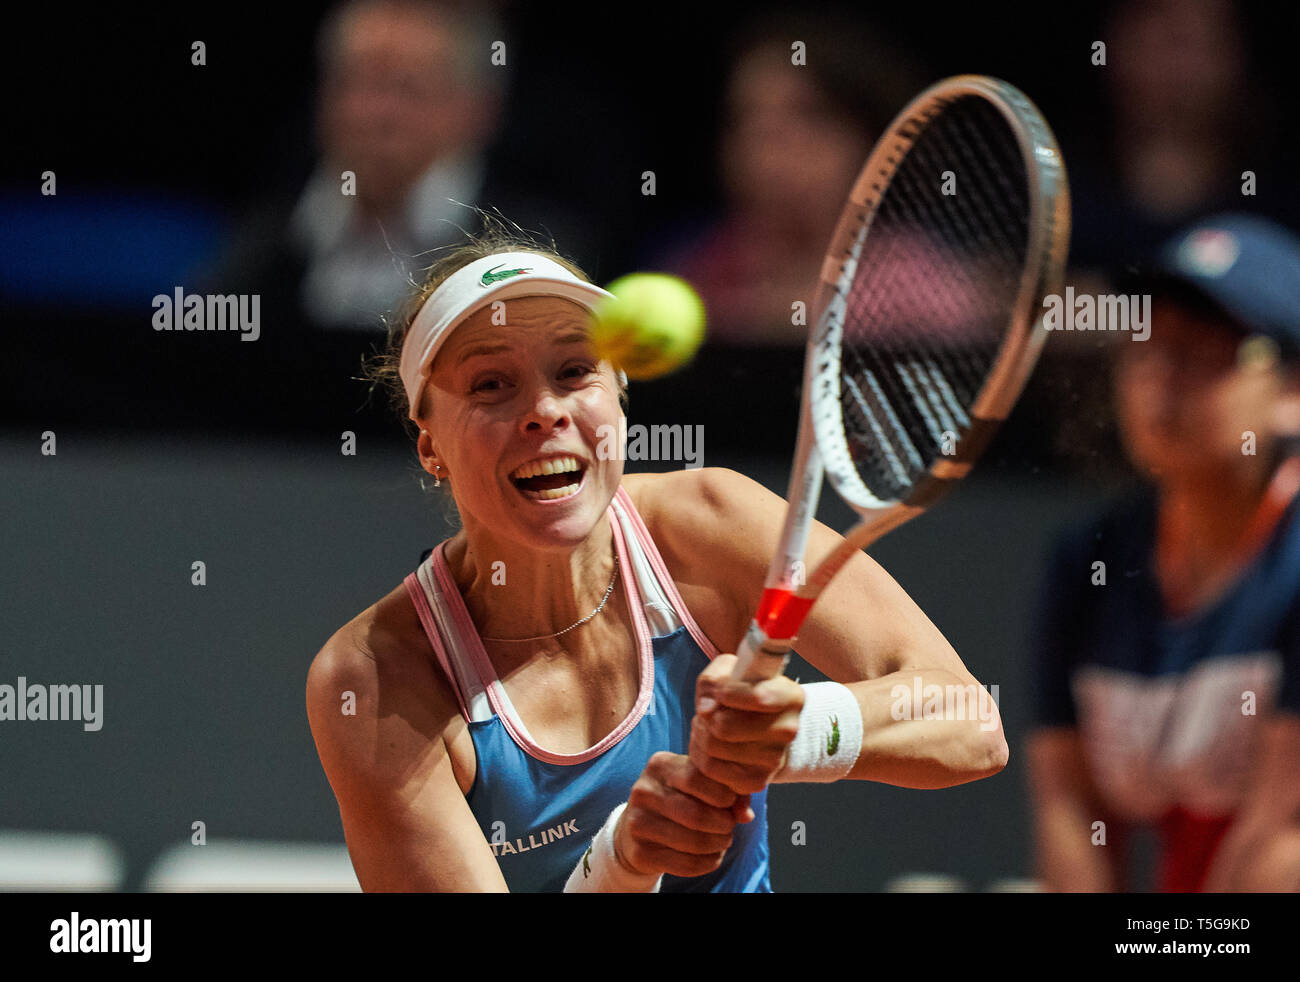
(487, 384)
(577, 370)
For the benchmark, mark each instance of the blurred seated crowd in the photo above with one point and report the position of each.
(410, 113)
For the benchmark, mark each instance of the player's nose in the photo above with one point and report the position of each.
(546, 410)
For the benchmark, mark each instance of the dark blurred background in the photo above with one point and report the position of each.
(223, 178)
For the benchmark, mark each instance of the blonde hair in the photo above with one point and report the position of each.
(497, 236)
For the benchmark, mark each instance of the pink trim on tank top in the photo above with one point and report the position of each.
(496, 693)
(665, 578)
(416, 591)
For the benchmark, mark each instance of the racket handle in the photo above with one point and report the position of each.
(760, 657)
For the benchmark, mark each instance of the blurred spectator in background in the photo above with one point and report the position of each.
(1169, 645)
(410, 103)
(1187, 115)
(794, 137)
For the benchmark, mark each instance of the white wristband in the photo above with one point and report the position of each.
(829, 740)
(599, 871)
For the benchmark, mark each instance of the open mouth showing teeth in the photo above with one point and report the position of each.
(545, 480)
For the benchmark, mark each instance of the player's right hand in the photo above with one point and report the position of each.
(677, 820)
(742, 731)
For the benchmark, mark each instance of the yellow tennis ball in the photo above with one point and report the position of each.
(652, 325)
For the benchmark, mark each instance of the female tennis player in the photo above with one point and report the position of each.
(543, 705)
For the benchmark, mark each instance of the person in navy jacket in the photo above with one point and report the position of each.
(1168, 648)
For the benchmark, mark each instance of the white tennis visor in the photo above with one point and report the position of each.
(498, 277)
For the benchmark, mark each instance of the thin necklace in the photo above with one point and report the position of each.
(601, 606)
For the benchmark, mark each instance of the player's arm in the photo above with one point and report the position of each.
(865, 632)
(1261, 850)
(1069, 856)
(406, 821)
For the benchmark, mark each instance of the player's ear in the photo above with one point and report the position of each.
(428, 451)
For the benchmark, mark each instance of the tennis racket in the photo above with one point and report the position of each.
(927, 322)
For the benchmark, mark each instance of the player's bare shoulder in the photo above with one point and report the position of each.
(387, 726)
(700, 506)
(673, 500)
(713, 526)
(379, 639)
(375, 669)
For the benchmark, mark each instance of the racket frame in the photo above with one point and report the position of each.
(822, 446)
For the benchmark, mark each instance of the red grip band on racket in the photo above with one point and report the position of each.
(780, 612)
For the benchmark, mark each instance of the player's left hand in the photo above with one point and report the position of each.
(742, 731)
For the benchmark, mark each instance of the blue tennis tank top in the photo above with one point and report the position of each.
(539, 810)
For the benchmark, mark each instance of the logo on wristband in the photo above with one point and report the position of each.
(833, 741)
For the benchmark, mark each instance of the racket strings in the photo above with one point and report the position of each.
(988, 274)
(885, 293)
(946, 307)
(971, 276)
(928, 401)
(933, 294)
(890, 300)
